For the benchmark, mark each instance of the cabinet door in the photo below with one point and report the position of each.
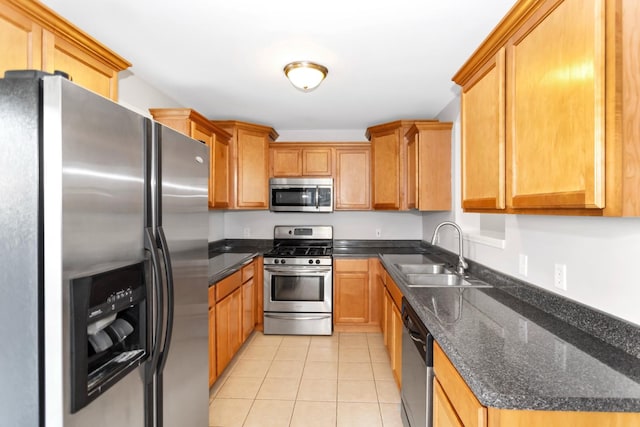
(286, 162)
(556, 108)
(212, 346)
(235, 321)
(248, 319)
(223, 351)
(444, 415)
(317, 162)
(219, 175)
(351, 298)
(412, 172)
(21, 41)
(353, 180)
(385, 152)
(396, 359)
(206, 136)
(253, 170)
(259, 293)
(228, 328)
(467, 407)
(212, 336)
(389, 340)
(483, 137)
(83, 69)
(384, 325)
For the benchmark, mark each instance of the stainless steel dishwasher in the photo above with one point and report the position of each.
(417, 370)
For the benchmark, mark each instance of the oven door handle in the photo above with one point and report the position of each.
(307, 317)
(297, 270)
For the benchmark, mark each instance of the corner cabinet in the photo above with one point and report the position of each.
(196, 126)
(429, 166)
(550, 123)
(389, 164)
(249, 163)
(32, 36)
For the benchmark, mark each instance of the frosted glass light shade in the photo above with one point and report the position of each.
(305, 75)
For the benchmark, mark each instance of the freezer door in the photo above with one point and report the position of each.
(20, 281)
(93, 164)
(183, 218)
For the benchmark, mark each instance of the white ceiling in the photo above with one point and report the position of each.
(387, 60)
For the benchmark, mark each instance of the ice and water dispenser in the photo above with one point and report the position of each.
(108, 331)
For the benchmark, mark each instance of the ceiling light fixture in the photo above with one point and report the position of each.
(305, 75)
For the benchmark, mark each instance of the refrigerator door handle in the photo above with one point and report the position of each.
(150, 246)
(164, 247)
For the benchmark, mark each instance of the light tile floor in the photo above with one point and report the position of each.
(341, 380)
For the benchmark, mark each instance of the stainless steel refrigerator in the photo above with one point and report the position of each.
(103, 263)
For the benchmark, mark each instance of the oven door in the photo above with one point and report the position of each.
(298, 289)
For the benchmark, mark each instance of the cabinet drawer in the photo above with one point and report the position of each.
(248, 271)
(228, 285)
(469, 409)
(351, 265)
(212, 296)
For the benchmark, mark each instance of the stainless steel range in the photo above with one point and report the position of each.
(298, 281)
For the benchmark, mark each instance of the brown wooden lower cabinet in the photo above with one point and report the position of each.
(228, 328)
(356, 306)
(248, 318)
(444, 414)
(212, 337)
(454, 404)
(258, 293)
(232, 315)
(396, 359)
(391, 321)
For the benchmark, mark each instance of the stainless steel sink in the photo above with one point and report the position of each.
(443, 280)
(435, 268)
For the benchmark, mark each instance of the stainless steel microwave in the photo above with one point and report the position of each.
(301, 194)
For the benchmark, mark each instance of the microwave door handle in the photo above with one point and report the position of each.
(317, 197)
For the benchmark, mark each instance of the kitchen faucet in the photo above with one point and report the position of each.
(462, 264)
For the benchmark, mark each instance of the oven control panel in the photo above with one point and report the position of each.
(298, 261)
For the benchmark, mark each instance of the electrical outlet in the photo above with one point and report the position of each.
(378, 232)
(523, 265)
(560, 276)
(246, 232)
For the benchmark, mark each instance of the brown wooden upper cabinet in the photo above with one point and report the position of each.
(249, 163)
(429, 166)
(195, 125)
(389, 164)
(296, 160)
(347, 162)
(32, 36)
(550, 123)
(353, 177)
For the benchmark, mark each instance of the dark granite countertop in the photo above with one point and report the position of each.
(514, 355)
(224, 264)
(516, 345)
